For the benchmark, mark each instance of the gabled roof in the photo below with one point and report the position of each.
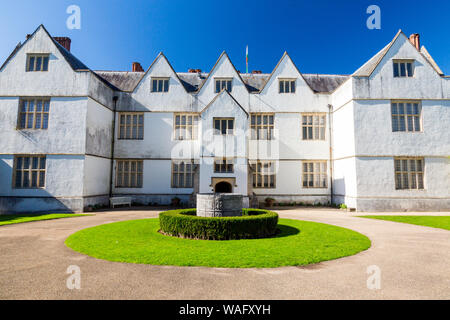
(215, 65)
(224, 91)
(430, 59)
(153, 63)
(369, 67)
(285, 54)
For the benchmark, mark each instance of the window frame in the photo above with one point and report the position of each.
(226, 162)
(291, 81)
(221, 87)
(124, 126)
(270, 172)
(256, 128)
(323, 171)
(45, 101)
(409, 173)
(137, 172)
(184, 173)
(158, 79)
(220, 131)
(313, 125)
(195, 117)
(405, 63)
(35, 56)
(30, 170)
(405, 115)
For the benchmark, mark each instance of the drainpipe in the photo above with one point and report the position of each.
(115, 98)
(331, 151)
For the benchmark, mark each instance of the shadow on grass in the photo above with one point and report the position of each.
(286, 231)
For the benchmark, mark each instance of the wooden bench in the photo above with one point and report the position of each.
(120, 201)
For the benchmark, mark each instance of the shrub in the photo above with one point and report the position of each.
(269, 202)
(342, 206)
(253, 224)
(176, 202)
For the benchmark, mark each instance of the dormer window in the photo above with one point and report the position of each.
(403, 68)
(287, 85)
(160, 85)
(223, 84)
(37, 62)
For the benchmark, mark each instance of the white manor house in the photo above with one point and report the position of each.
(71, 137)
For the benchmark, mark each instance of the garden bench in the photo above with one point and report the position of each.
(119, 201)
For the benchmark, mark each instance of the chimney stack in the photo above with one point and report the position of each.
(256, 72)
(137, 67)
(415, 40)
(64, 41)
(195, 71)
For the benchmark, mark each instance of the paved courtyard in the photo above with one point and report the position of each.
(414, 263)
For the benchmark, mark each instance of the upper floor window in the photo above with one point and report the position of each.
(37, 62)
(313, 126)
(223, 165)
(129, 173)
(160, 84)
(29, 171)
(223, 84)
(223, 126)
(33, 113)
(409, 173)
(403, 68)
(186, 126)
(406, 116)
(287, 85)
(315, 174)
(261, 126)
(131, 126)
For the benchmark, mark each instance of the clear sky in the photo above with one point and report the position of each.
(321, 36)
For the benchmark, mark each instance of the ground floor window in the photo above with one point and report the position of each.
(223, 165)
(29, 171)
(409, 173)
(129, 173)
(183, 173)
(264, 175)
(315, 174)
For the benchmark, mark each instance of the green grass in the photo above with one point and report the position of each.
(138, 241)
(442, 222)
(21, 218)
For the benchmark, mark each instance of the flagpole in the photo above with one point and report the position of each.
(246, 60)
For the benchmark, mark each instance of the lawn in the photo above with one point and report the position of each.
(441, 222)
(138, 241)
(20, 218)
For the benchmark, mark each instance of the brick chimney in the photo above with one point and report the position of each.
(137, 67)
(195, 71)
(415, 40)
(256, 72)
(64, 41)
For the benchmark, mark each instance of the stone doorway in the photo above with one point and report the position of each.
(223, 187)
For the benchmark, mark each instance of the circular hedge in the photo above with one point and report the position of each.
(253, 224)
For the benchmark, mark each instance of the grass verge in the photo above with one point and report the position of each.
(441, 222)
(21, 218)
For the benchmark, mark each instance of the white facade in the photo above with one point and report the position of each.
(357, 146)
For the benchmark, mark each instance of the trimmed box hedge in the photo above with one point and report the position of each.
(253, 224)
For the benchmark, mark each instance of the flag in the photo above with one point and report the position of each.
(246, 60)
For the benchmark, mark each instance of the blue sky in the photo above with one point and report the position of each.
(322, 36)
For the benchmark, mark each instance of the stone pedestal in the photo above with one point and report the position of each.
(219, 205)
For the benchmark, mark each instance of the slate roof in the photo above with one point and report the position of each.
(127, 81)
